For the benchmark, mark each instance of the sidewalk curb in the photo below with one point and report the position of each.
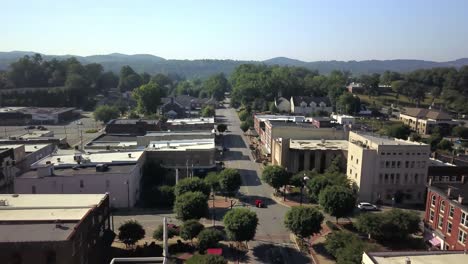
(279, 201)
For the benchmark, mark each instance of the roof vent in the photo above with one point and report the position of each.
(48, 162)
(58, 159)
(408, 260)
(129, 155)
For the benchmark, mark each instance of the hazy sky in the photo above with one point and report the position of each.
(240, 29)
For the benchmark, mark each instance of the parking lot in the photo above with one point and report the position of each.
(71, 130)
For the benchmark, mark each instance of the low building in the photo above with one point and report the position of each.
(446, 215)
(190, 124)
(355, 88)
(298, 155)
(388, 170)
(415, 257)
(305, 105)
(344, 120)
(144, 141)
(259, 122)
(322, 121)
(54, 228)
(281, 129)
(132, 126)
(283, 105)
(35, 115)
(113, 142)
(116, 173)
(185, 157)
(423, 121)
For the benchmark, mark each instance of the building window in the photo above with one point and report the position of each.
(451, 211)
(33, 189)
(442, 206)
(416, 178)
(357, 161)
(406, 177)
(453, 178)
(382, 164)
(81, 183)
(406, 164)
(431, 216)
(440, 223)
(449, 228)
(433, 200)
(393, 164)
(387, 164)
(398, 164)
(464, 219)
(380, 178)
(462, 237)
(386, 178)
(351, 157)
(350, 171)
(445, 178)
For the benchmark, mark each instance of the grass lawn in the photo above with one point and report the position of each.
(389, 98)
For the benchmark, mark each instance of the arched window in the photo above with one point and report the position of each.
(442, 206)
(433, 200)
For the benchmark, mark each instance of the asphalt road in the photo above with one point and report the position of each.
(70, 130)
(271, 232)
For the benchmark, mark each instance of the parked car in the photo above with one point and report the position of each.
(367, 207)
(30, 127)
(41, 128)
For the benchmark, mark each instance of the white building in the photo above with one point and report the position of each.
(304, 105)
(283, 105)
(388, 170)
(116, 173)
(344, 120)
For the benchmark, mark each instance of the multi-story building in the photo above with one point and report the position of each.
(388, 170)
(424, 121)
(116, 173)
(298, 155)
(280, 129)
(446, 216)
(259, 122)
(190, 124)
(415, 257)
(305, 105)
(54, 228)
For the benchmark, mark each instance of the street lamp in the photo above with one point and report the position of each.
(304, 180)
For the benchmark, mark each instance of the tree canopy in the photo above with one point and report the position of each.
(209, 238)
(148, 97)
(206, 259)
(191, 205)
(229, 181)
(275, 176)
(158, 233)
(190, 229)
(240, 224)
(303, 221)
(338, 201)
(194, 184)
(105, 113)
(130, 232)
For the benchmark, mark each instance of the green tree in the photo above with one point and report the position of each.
(158, 234)
(190, 229)
(243, 115)
(298, 178)
(194, 184)
(212, 180)
(206, 259)
(319, 182)
(208, 111)
(240, 224)
(348, 103)
(460, 131)
(244, 126)
(216, 86)
(130, 232)
(346, 247)
(105, 113)
(221, 128)
(338, 201)
(369, 224)
(148, 97)
(209, 238)
(162, 196)
(303, 221)
(400, 131)
(445, 144)
(129, 79)
(273, 109)
(229, 181)
(275, 176)
(191, 205)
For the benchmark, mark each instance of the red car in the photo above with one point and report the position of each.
(259, 203)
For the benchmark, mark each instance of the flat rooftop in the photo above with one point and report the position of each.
(191, 121)
(115, 138)
(33, 217)
(381, 140)
(424, 257)
(182, 133)
(279, 117)
(81, 170)
(67, 160)
(28, 148)
(133, 121)
(36, 110)
(318, 144)
(182, 145)
(280, 123)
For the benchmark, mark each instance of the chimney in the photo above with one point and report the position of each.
(408, 260)
(449, 191)
(460, 199)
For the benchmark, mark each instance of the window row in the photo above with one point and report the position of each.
(401, 153)
(394, 178)
(399, 164)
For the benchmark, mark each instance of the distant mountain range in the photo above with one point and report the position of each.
(203, 68)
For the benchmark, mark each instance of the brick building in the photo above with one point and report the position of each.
(446, 215)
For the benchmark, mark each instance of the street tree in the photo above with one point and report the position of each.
(191, 205)
(460, 131)
(129, 79)
(222, 128)
(158, 234)
(105, 113)
(206, 259)
(338, 201)
(275, 176)
(190, 229)
(148, 97)
(229, 181)
(209, 238)
(212, 180)
(315, 185)
(216, 86)
(303, 221)
(445, 144)
(208, 111)
(194, 184)
(240, 224)
(400, 131)
(130, 232)
(244, 126)
(369, 224)
(298, 178)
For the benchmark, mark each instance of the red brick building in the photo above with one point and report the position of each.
(446, 215)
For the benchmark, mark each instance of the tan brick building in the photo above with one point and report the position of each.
(423, 121)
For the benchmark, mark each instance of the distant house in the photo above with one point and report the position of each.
(424, 121)
(184, 105)
(283, 105)
(306, 104)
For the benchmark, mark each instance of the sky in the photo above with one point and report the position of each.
(308, 30)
